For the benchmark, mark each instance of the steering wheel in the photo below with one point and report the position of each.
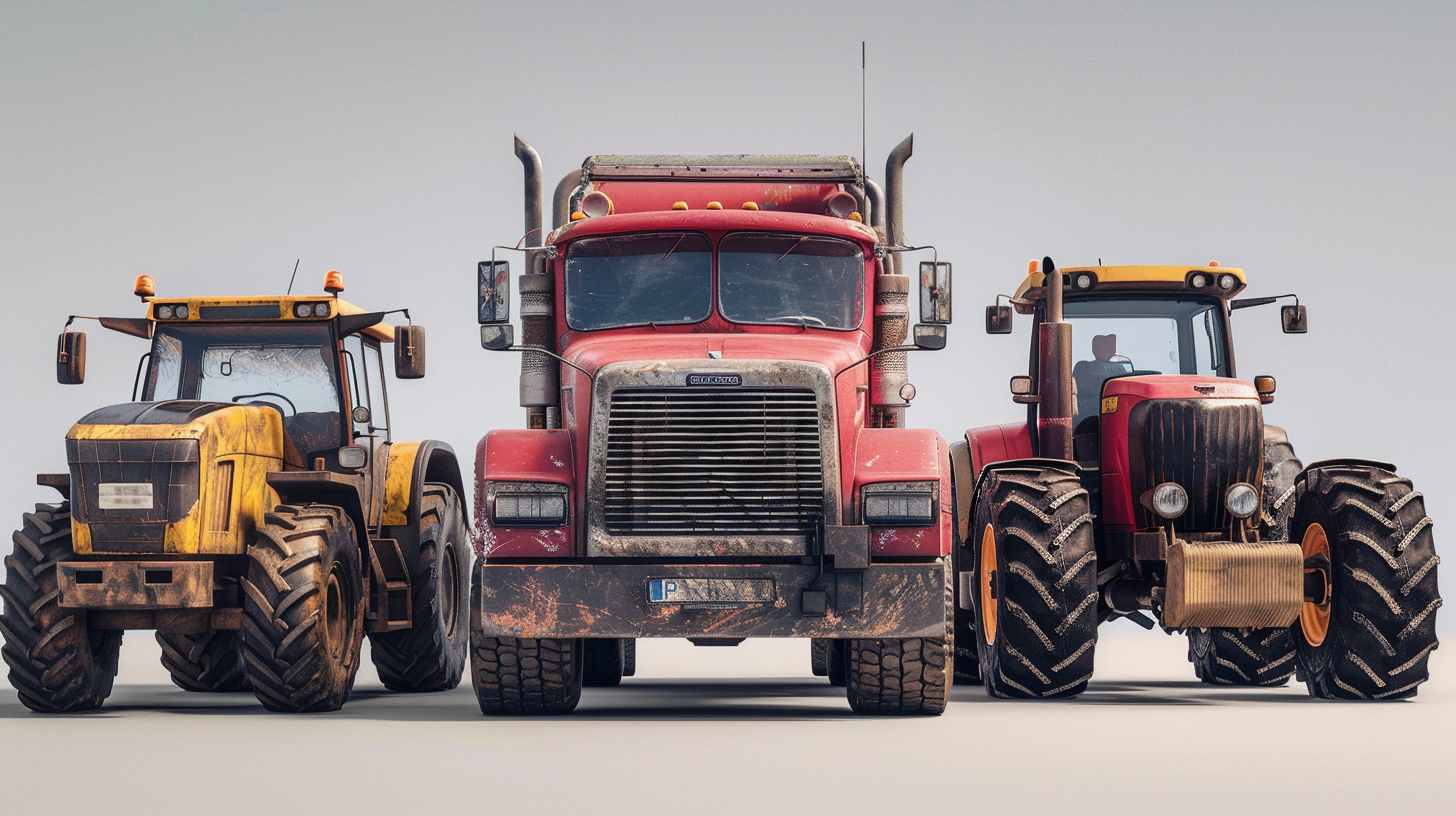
(291, 406)
(802, 319)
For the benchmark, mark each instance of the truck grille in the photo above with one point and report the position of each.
(685, 461)
(1204, 445)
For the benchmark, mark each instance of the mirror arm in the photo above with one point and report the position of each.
(590, 376)
(1245, 303)
(875, 354)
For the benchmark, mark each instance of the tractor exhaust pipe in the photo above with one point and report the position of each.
(540, 377)
(1054, 409)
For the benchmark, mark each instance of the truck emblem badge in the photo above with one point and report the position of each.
(719, 380)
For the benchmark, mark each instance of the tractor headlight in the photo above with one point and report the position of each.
(1242, 500)
(1227, 282)
(1198, 280)
(1170, 500)
(303, 310)
(182, 312)
(164, 312)
(529, 504)
(321, 310)
(899, 504)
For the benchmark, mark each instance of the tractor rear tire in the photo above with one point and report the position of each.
(1036, 583)
(834, 663)
(819, 656)
(1241, 657)
(522, 675)
(604, 661)
(1373, 638)
(430, 655)
(1281, 468)
(902, 675)
(303, 609)
(209, 661)
(57, 662)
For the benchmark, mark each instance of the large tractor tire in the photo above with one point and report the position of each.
(430, 655)
(303, 609)
(208, 662)
(57, 662)
(1036, 583)
(604, 661)
(522, 675)
(901, 675)
(967, 659)
(1255, 657)
(1373, 636)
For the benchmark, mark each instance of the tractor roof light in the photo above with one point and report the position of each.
(1227, 282)
(334, 282)
(1170, 500)
(1084, 281)
(1242, 500)
(596, 204)
(1199, 280)
(164, 312)
(145, 287)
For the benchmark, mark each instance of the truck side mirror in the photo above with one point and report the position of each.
(498, 337)
(495, 291)
(1295, 319)
(409, 352)
(929, 337)
(998, 319)
(71, 358)
(935, 292)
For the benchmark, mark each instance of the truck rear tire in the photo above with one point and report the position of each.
(1374, 636)
(834, 663)
(211, 661)
(1036, 583)
(522, 675)
(1241, 657)
(303, 609)
(57, 662)
(430, 655)
(604, 661)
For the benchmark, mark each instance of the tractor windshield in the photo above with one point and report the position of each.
(1114, 337)
(802, 280)
(291, 368)
(659, 278)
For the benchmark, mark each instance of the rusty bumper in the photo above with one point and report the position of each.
(135, 584)
(707, 600)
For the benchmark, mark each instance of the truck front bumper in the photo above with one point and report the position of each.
(710, 600)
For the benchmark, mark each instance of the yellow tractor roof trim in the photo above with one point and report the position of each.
(1129, 278)
(228, 309)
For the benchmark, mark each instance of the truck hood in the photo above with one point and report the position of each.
(835, 352)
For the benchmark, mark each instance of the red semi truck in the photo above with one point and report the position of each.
(714, 376)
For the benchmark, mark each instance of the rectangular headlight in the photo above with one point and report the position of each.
(899, 504)
(529, 504)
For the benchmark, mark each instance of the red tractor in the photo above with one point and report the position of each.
(1145, 479)
(715, 445)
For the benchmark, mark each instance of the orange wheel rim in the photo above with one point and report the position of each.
(1314, 619)
(988, 568)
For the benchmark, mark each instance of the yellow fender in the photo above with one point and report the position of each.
(411, 465)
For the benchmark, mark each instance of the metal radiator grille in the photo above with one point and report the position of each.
(742, 462)
(1204, 445)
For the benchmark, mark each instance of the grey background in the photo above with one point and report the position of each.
(210, 147)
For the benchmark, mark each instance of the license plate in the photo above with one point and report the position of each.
(711, 590)
(124, 496)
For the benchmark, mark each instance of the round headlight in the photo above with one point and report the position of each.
(182, 312)
(164, 312)
(1227, 282)
(303, 310)
(1084, 281)
(1242, 500)
(1198, 281)
(1170, 500)
(321, 310)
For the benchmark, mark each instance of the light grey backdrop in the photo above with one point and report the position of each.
(211, 147)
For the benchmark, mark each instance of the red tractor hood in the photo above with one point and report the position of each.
(1179, 386)
(833, 350)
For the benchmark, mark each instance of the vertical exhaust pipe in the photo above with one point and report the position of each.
(890, 370)
(531, 160)
(540, 377)
(895, 196)
(1054, 410)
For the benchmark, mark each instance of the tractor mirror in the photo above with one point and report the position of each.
(495, 291)
(71, 358)
(998, 319)
(1295, 319)
(935, 292)
(929, 337)
(497, 338)
(1265, 386)
(409, 352)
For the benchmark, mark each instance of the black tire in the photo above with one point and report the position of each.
(522, 675)
(1281, 467)
(1036, 629)
(303, 609)
(834, 664)
(430, 655)
(819, 656)
(1241, 657)
(211, 661)
(1380, 622)
(901, 675)
(963, 623)
(629, 657)
(57, 661)
(604, 661)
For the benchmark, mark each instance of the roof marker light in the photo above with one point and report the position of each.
(750, 205)
(1213, 263)
(715, 205)
(145, 287)
(1031, 268)
(680, 205)
(334, 282)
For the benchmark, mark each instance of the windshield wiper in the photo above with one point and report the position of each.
(675, 246)
(802, 239)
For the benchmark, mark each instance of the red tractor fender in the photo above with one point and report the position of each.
(520, 455)
(904, 455)
(998, 443)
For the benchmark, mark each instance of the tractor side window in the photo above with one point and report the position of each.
(374, 374)
(356, 367)
(165, 379)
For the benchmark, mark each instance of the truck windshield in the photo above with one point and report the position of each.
(804, 280)
(632, 280)
(1117, 336)
(291, 368)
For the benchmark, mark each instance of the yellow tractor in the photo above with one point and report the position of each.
(251, 508)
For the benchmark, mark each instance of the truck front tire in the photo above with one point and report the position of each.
(522, 675)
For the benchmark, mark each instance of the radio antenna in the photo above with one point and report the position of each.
(863, 151)
(291, 277)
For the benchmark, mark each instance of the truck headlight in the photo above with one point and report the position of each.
(1242, 500)
(1170, 500)
(529, 504)
(899, 504)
